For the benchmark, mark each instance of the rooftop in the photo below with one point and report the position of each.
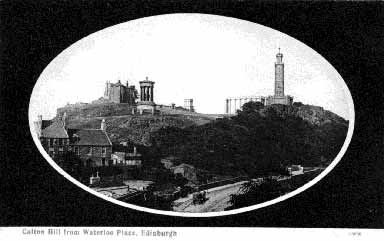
(89, 137)
(55, 130)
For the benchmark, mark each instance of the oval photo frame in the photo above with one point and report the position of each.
(156, 35)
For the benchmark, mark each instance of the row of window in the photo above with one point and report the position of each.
(76, 150)
(52, 151)
(92, 150)
(57, 142)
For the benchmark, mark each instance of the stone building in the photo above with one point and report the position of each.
(119, 93)
(128, 159)
(185, 170)
(54, 138)
(279, 97)
(93, 146)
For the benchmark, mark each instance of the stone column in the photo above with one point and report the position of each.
(143, 93)
(151, 93)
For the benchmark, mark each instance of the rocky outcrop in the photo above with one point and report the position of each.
(135, 128)
(85, 110)
(316, 115)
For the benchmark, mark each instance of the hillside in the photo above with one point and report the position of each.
(315, 115)
(123, 126)
(258, 140)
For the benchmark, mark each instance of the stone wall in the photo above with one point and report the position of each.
(95, 110)
(96, 156)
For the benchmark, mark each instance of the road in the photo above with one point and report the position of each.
(217, 200)
(218, 197)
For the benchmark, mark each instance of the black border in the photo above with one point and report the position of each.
(348, 34)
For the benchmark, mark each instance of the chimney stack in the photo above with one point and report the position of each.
(103, 126)
(64, 119)
(39, 125)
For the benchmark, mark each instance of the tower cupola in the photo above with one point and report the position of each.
(279, 57)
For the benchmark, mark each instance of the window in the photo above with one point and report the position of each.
(61, 151)
(90, 151)
(103, 151)
(49, 142)
(60, 141)
(76, 150)
(51, 152)
(54, 141)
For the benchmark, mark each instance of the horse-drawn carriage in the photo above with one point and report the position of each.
(199, 197)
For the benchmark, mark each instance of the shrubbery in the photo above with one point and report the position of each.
(254, 142)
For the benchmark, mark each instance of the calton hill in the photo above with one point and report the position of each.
(254, 146)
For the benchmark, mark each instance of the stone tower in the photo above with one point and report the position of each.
(279, 97)
(279, 75)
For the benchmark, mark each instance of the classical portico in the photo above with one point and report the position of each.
(146, 102)
(236, 103)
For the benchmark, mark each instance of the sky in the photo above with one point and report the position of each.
(207, 58)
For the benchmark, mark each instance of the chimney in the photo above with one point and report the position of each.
(103, 126)
(39, 125)
(64, 119)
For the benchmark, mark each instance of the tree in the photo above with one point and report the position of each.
(252, 193)
(72, 164)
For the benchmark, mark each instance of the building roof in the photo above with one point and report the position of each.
(55, 130)
(120, 155)
(184, 166)
(89, 137)
(45, 123)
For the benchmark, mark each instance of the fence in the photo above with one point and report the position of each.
(222, 183)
